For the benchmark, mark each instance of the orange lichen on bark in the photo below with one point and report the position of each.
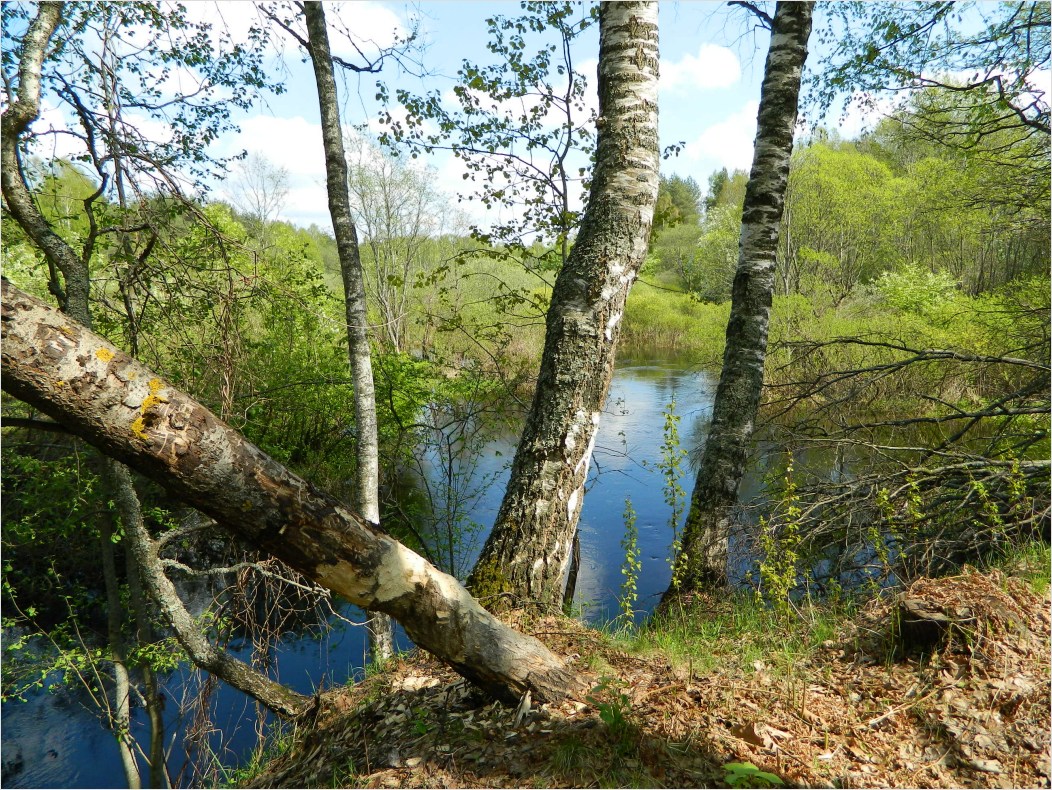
(138, 426)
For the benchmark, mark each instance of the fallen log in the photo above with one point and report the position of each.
(117, 404)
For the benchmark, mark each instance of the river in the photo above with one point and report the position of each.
(56, 740)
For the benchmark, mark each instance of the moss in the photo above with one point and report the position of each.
(488, 583)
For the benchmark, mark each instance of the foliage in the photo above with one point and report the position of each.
(92, 64)
(952, 389)
(911, 289)
(679, 203)
(631, 566)
(748, 775)
(615, 710)
(49, 499)
(671, 468)
(841, 216)
(702, 253)
(659, 316)
(994, 53)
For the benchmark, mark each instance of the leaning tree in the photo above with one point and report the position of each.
(526, 556)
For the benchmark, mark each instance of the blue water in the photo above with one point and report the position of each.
(59, 742)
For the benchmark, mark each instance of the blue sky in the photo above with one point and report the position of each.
(712, 64)
(712, 60)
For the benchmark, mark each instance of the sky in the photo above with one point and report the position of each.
(712, 60)
(711, 68)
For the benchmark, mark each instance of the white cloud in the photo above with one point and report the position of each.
(308, 204)
(372, 26)
(728, 142)
(712, 67)
(294, 144)
(1040, 80)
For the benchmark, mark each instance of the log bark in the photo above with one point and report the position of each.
(525, 557)
(127, 411)
(702, 562)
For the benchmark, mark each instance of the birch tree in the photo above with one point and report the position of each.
(702, 561)
(367, 497)
(526, 555)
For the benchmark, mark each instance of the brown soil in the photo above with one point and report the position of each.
(944, 685)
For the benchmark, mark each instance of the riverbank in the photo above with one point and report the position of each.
(944, 684)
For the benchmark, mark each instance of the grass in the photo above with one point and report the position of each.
(346, 775)
(659, 315)
(280, 740)
(742, 630)
(571, 758)
(1031, 562)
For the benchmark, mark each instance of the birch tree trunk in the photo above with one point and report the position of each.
(107, 398)
(367, 496)
(702, 562)
(526, 555)
(127, 504)
(120, 713)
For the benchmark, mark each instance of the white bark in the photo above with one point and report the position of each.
(367, 449)
(703, 559)
(526, 555)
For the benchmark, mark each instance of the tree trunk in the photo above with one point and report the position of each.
(203, 653)
(702, 562)
(367, 450)
(120, 713)
(525, 557)
(16, 120)
(151, 692)
(104, 396)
